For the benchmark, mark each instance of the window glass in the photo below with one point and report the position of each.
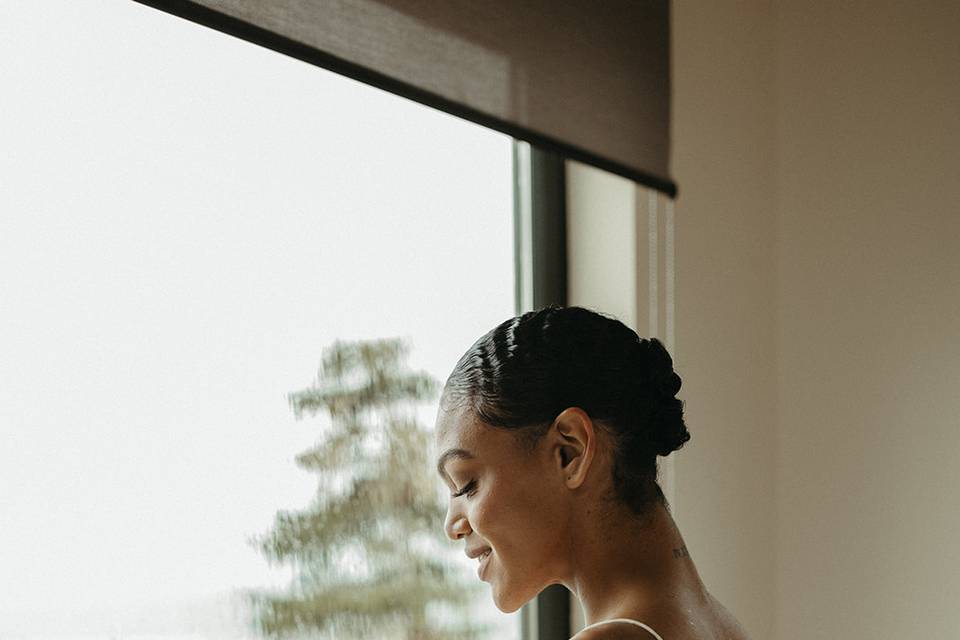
(189, 226)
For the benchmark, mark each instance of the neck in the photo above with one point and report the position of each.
(631, 570)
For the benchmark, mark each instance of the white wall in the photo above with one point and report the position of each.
(723, 155)
(818, 321)
(868, 275)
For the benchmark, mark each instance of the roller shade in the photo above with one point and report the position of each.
(587, 79)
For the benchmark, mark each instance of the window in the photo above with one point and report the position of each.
(188, 221)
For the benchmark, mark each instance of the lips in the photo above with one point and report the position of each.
(476, 552)
(484, 561)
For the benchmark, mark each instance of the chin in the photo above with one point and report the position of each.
(507, 606)
(508, 601)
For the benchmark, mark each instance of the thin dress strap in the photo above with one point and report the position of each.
(636, 622)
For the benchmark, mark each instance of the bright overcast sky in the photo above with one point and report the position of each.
(186, 220)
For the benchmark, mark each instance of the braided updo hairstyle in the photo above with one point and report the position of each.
(525, 371)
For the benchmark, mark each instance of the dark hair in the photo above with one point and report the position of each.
(521, 374)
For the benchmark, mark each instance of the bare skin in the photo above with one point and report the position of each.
(550, 517)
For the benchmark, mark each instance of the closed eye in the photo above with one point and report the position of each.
(468, 488)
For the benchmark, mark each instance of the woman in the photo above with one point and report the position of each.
(549, 428)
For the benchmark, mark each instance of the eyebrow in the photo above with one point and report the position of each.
(460, 454)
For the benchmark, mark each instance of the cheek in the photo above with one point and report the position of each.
(520, 524)
(516, 517)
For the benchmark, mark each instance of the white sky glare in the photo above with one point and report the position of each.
(186, 220)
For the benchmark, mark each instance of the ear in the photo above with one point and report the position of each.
(574, 444)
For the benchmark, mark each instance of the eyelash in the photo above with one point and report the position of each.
(468, 488)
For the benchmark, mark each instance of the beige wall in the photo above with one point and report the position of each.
(818, 312)
(868, 275)
(726, 295)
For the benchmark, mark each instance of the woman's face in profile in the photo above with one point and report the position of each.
(505, 500)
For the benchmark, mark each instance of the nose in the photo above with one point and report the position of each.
(456, 525)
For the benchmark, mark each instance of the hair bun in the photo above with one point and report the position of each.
(670, 384)
(670, 431)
